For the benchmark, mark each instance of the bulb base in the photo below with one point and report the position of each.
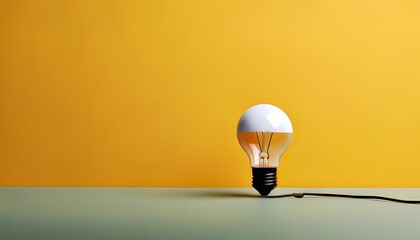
(264, 180)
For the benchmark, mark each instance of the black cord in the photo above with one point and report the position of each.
(301, 195)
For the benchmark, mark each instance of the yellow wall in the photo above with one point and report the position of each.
(148, 93)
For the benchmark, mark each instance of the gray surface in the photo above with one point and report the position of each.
(192, 213)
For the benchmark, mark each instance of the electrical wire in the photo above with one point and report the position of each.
(301, 195)
(259, 144)
(269, 142)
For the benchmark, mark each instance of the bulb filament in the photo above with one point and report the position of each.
(264, 147)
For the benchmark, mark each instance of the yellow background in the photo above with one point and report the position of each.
(148, 93)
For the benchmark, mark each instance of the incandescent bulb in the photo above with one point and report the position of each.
(264, 132)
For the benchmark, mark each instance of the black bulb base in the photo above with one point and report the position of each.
(264, 180)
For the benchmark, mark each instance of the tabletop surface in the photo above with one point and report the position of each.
(203, 213)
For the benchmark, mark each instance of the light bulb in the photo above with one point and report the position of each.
(264, 132)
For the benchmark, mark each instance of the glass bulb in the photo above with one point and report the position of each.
(264, 132)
